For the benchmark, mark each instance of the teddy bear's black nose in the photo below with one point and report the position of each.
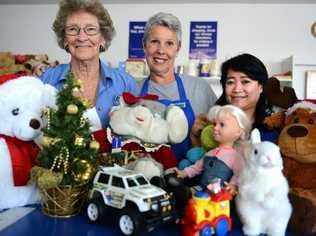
(297, 131)
(35, 124)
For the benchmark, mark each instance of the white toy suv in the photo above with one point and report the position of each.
(140, 205)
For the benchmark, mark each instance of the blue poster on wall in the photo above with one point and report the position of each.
(203, 39)
(135, 45)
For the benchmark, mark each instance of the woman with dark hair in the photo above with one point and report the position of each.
(243, 78)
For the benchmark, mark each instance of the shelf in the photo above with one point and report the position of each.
(283, 78)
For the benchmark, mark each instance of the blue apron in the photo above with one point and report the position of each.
(179, 149)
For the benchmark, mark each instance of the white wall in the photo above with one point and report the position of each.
(273, 32)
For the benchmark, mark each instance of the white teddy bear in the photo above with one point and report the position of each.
(262, 202)
(149, 121)
(21, 104)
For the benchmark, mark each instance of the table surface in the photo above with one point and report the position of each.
(31, 221)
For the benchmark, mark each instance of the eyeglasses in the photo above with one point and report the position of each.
(74, 30)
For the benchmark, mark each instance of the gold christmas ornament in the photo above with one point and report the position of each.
(78, 83)
(82, 170)
(87, 103)
(45, 141)
(76, 90)
(36, 172)
(72, 109)
(48, 141)
(79, 141)
(94, 145)
(49, 179)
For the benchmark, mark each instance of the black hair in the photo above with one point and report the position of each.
(255, 70)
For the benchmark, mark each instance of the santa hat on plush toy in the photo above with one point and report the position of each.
(7, 77)
(277, 119)
(311, 107)
(130, 99)
(150, 101)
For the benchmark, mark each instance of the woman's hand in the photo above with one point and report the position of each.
(179, 173)
(200, 122)
(231, 188)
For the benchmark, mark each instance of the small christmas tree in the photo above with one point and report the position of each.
(69, 149)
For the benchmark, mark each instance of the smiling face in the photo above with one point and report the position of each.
(226, 130)
(82, 46)
(242, 91)
(161, 49)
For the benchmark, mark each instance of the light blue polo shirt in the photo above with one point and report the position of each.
(113, 83)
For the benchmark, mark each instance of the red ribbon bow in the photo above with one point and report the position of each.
(130, 99)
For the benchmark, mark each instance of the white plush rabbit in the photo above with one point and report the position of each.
(262, 202)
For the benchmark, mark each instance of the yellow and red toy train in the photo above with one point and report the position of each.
(207, 214)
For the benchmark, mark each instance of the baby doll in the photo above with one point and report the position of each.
(231, 126)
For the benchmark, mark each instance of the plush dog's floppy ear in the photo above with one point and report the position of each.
(275, 121)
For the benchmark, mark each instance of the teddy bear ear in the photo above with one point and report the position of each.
(255, 136)
(178, 124)
(275, 120)
(50, 95)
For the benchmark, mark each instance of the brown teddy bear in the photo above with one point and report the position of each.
(297, 142)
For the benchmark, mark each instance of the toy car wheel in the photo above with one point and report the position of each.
(95, 210)
(130, 222)
(222, 227)
(206, 231)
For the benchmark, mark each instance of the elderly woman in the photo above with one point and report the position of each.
(84, 29)
(162, 42)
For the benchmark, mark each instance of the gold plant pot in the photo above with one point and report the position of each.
(63, 201)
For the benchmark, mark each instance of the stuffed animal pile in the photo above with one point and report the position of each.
(297, 142)
(21, 104)
(22, 63)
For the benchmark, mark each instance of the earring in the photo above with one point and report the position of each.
(102, 48)
(67, 48)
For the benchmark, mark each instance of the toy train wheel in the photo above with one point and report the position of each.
(95, 210)
(206, 231)
(130, 221)
(222, 227)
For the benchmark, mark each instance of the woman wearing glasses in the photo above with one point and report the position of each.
(84, 29)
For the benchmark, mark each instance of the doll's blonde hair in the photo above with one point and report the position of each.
(244, 123)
